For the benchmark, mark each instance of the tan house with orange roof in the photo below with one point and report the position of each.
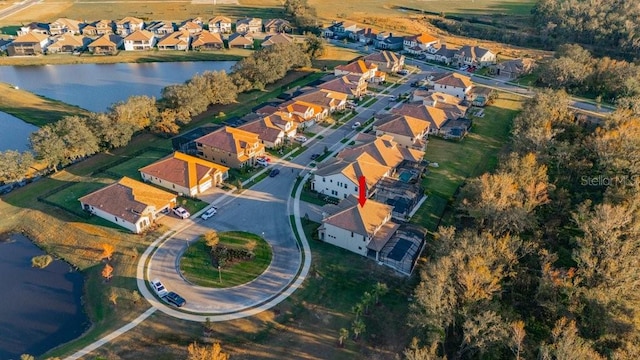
(68, 43)
(353, 86)
(385, 150)
(140, 40)
(230, 147)
(129, 203)
(32, 43)
(364, 230)
(207, 41)
(386, 60)
(453, 83)
(307, 113)
(329, 100)
(185, 174)
(416, 44)
(65, 26)
(436, 117)
(190, 27)
(366, 71)
(241, 41)
(107, 44)
(406, 131)
(273, 129)
(178, 40)
(100, 27)
(450, 104)
(249, 25)
(128, 25)
(220, 24)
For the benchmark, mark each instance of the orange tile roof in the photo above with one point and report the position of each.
(31, 37)
(454, 79)
(230, 139)
(356, 67)
(175, 38)
(364, 220)
(436, 117)
(184, 170)
(206, 37)
(383, 149)
(140, 35)
(106, 40)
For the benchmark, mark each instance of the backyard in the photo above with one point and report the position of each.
(459, 160)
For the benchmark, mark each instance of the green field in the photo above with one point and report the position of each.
(196, 266)
(130, 167)
(460, 160)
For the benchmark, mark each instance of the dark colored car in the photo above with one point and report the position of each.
(315, 156)
(175, 299)
(274, 172)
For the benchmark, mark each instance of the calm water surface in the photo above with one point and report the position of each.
(96, 86)
(41, 308)
(14, 133)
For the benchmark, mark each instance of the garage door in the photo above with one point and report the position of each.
(205, 185)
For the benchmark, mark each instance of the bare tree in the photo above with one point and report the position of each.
(210, 352)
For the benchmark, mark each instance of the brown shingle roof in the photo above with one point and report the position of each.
(206, 37)
(340, 84)
(107, 40)
(365, 220)
(400, 124)
(229, 139)
(384, 150)
(128, 199)
(240, 39)
(436, 117)
(356, 67)
(280, 38)
(184, 170)
(31, 37)
(453, 79)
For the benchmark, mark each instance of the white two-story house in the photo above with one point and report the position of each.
(454, 84)
(140, 40)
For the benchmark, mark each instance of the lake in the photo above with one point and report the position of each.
(41, 308)
(15, 133)
(96, 86)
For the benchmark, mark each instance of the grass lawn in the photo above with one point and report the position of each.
(130, 167)
(32, 108)
(334, 56)
(190, 204)
(196, 264)
(68, 198)
(460, 160)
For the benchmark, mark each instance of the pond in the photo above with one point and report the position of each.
(41, 308)
(15, 133)
(96, 86)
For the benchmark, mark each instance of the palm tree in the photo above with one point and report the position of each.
(358, 327)
(380, 289)
(367, 299)
(344, 334)
(357, 310)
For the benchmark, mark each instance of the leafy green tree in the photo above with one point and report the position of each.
(48, 146)
(14, 165)
(358, 327)
(315, 46)
(343, 334)
(109, 132)
(138, 111)
(567, 344)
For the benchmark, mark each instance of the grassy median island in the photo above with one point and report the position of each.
(199, 264)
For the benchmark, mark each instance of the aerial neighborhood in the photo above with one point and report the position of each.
(306, 179)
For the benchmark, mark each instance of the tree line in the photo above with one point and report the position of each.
(543, 260)
(577, 71)
(607, 26)
(73, 138)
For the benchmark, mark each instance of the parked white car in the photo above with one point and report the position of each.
(300, 138)
(355, 125)
(181, 212)
(159, 288)
(208, 214)
(262, 162)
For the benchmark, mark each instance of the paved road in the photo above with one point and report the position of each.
(17, 7)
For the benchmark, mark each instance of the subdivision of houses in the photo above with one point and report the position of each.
(177, 40)
(160, 28)
(128, 25)
(417, 44)
(353, 86)
(65, 26)
(68, 43)
(279, 38)
(387, 61)
(129, 203)
(452, 83)
(220, 24)
(435, 116)
(327, 99)
(107, 44)
(249, 25)
(443, 54)
(185, 174)
(230, 147)
(140, 40)
(514, 68)
(474, 56)
(274, 129)
(308, 114)
(32, 43)
(207, 41)
(277, 26)
(242, 41)
(407, 131)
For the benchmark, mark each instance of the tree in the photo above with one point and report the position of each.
(211, 238)
(366, 301)
(135, 296)
(482, 333)
(380, 289)
(27, 357)
(343, 334)
(139, 111)
(357, 310)
(210, 352)
(358, 328)
(315, 46)
(79, 141)
(48, 146)
(110, 133)
(113, 296)
(14, 165)
(415, 352)
(516, 342)
(167, 123)
(107, 272)
(567, 345)
(107, 251)
(41, 261)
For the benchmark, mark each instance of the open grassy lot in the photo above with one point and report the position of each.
(196, 265)
(130, 167)
(67, 198)
(32, 108)
(460, 160)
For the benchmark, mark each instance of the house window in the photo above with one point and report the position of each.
(323, 180)
(359, 247)
(352, 234)
(356, 188)
(345, 186)
(174, 186)
(116, 218)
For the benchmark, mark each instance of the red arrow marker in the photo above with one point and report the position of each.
(362, 195)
